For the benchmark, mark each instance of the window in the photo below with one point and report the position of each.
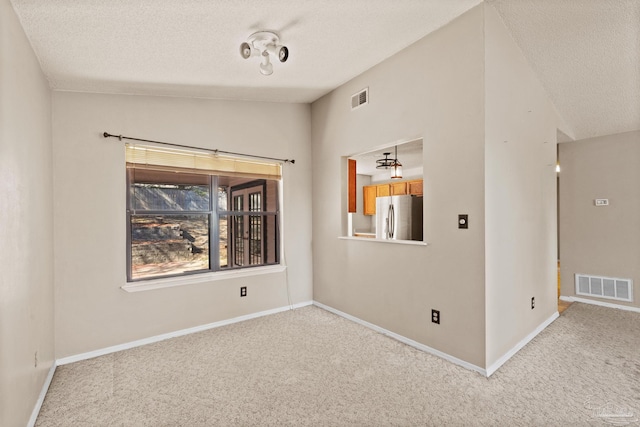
(186, 220)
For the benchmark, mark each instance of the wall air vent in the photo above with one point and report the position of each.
(359, 99)
(604, 287)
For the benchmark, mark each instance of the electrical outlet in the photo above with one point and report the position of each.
(435, 316)
(243, 291)
(533, 303)
(35, 359)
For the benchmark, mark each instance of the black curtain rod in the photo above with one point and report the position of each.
(121, 137)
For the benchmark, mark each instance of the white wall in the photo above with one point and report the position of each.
(600, 241)
(360, 221)
(520, 194)
(26, 218)
(431, 90)
(92, 312)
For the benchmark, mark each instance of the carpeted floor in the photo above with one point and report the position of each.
(309, 367)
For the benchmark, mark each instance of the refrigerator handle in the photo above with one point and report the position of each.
(392, 221)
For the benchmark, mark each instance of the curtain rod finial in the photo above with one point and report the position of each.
(106, 135)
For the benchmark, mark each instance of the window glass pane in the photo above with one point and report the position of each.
(255, 240)
(223, 230)
(168, 244)
(238, 240)
(171, 217)
(223, 198)
(252, 240)
(270, 253)
(165, 191)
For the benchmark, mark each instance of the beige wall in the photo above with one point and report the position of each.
(520, 194)
(600, 241)
(26, 217)
(431, 90)
(465, 89)
(92, 312)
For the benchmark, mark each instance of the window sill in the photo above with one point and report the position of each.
(393, 242)
(149, 285)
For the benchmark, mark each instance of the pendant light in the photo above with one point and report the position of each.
(385, 163)
(396, 167)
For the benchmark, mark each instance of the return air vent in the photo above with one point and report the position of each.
(604, 287)
(359, 99)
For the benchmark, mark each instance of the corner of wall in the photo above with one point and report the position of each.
(520, 194)
(26, 205)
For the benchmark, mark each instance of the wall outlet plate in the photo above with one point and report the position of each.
(435, 316)
(243, 291)
(601, 202)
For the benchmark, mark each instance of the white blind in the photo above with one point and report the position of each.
(178, 160)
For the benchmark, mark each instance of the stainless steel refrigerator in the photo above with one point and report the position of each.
(399, 218)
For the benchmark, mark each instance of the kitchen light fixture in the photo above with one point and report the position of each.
(263, 43)
(385, 163)
(396, 167)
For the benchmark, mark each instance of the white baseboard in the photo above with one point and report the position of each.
(509, 354)
(600, 303)
(162, 337)
(405, 340)
(43, 393)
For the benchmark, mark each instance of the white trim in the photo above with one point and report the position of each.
(509, 354)
(191, 279)
(600, 303)
(162, 337)
(43, 393)
(395, 242)
(404, 340)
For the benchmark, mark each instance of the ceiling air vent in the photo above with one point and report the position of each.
(604, 287)
(359, 99)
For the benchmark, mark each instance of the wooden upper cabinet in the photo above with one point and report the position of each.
(352, 185)
(383, 190)
(369, 193)
(415, 187)
(398, 188)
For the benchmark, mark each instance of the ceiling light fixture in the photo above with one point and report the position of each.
(385, 163)
(263, 44)
(394, 164)
(396, 171)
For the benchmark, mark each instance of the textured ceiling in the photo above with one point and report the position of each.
(586, 53)
(192, 47)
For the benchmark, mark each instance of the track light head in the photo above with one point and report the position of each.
(280, 52)
(245, 50)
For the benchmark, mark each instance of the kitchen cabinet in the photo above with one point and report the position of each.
(382, 190)
(398, 188)
(369, 193)
(415, 187)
